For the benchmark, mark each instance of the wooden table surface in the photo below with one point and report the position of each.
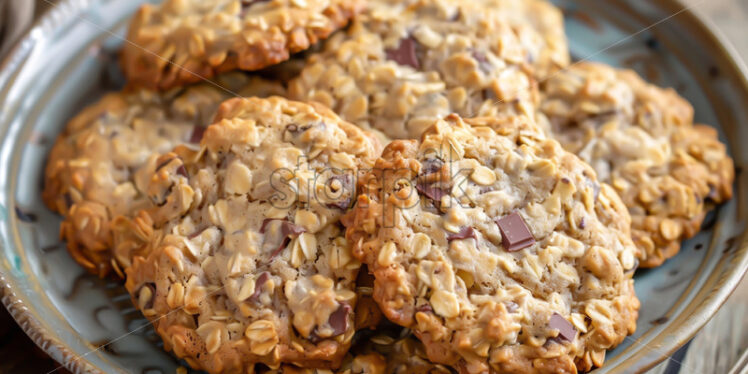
(715, 349)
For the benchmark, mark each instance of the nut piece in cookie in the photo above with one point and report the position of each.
(641, 139)
(520, 263)
(245, 260)
(186, 41)
(403, 64)
(99, 166)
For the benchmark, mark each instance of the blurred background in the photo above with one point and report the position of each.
(719, 348)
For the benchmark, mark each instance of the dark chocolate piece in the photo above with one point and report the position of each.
(339, 319)
(565, 329)
(515, 234)
(258, 286)
(464, 233)
(182, 171)
(430, 191)
(405, 54)
(286, 230)
(197, 134)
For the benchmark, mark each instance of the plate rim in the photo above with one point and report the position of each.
(17, 307)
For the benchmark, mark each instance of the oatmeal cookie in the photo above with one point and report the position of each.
(545, 40)
(246, 260)
(500, 250)
(380, 354)
(100, 164)
(186, 41)
(641, 140)
(403, 64)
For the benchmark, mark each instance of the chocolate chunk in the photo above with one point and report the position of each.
(197, 134)
(464, 233)
(265, 223)
(565, 329)
(339, 319)
(405, 54)
(582, 224)
(258, 286)
(182, 171)
(286, 229)
(289, 228)
(430, 191)
(515, 234)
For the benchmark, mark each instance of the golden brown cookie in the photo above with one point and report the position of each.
(187, 41)
(499, 249)
(403, 64)
(641, 139)
(100, 164)
(245, 260)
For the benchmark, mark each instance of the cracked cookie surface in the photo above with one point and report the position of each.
(402, 64)
(186, 41)
(100, 164)
(245, 260)
(498, 248)
(642, 140)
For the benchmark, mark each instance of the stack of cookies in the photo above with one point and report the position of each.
(379, 186)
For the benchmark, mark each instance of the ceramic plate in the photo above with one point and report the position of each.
(68, 60)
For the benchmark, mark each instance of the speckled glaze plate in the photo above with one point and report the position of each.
(67, 61)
